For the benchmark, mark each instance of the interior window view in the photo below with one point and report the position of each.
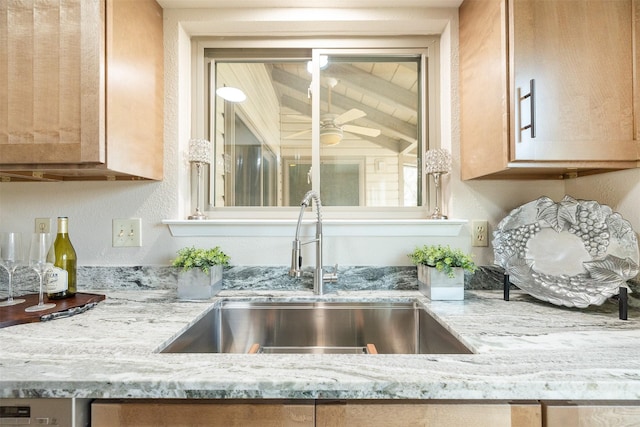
(369, 134)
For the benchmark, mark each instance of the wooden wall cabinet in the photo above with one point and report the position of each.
(81, 90)
(580, 56)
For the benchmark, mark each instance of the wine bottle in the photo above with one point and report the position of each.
(62, 279)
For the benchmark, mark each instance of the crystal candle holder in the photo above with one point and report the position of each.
(437, 163)
(199, 151)
(199, 154)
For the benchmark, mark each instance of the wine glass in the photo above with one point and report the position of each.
(38, 251)
(11, 255)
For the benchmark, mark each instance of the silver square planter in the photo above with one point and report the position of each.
(194, 284)
(437, 285)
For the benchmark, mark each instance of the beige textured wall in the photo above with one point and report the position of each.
(620, 190)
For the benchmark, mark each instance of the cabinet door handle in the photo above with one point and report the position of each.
(532, 100)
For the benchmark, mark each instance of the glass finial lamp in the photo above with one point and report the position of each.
(199, 155)
(437, 163)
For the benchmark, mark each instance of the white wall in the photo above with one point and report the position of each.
(91, 206)
(620, 190)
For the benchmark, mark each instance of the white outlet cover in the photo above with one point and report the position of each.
(126, 232)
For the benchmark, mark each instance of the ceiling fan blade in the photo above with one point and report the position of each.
(350, 115)
(297, 134)
(361, 130)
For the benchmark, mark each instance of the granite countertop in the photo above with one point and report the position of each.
(524, 349)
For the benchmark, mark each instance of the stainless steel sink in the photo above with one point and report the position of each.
(317, 327)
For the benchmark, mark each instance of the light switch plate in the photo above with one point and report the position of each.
(126, 232)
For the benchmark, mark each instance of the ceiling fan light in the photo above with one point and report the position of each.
(330, 136)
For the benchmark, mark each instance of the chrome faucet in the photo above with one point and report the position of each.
(319, 277)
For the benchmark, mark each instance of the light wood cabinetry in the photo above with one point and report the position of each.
(81, 90)
(167, 413)
(591, 414)
(354, 413)
(365, 413)
(580, 56)
(314, 413)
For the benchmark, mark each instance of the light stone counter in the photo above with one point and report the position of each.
(524, 349)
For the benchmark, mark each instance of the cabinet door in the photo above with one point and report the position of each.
(50, 68)
(441, 414)
(591, 414)
(163, 413)
(135, 88)
(580, 55)
(484, 94)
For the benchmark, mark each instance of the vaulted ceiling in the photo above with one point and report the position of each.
(387, 92)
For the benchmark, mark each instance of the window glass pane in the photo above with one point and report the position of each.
(341, 182)
(369, 110)
(253, 169)
(410, 178)
(370, 130)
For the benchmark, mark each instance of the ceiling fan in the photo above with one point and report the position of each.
(333, 126)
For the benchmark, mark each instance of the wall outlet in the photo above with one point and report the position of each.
(126, 232)
(43, 225)
(479, 233)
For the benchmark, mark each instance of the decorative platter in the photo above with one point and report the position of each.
(574, 253)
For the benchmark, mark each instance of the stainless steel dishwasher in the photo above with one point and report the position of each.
(69, 412)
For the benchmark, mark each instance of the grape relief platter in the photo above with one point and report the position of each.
(574, 253)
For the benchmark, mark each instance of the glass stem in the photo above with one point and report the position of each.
(199, 174)
(436, 181)
(41, 295)
(10, 298)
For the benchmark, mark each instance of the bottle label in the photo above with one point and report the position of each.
(58, 281)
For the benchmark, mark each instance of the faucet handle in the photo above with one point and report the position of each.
(331, 277)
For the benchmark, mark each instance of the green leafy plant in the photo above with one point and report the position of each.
(190, 257)
(442, 258)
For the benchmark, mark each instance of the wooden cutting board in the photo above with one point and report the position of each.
(15, 314)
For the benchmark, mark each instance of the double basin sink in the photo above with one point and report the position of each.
(317, 327)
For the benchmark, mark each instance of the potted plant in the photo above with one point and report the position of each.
(200, 274)
(441, 271)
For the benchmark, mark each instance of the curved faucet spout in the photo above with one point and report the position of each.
(307, 197)
(296, 258)
(312, 194)
(306, 201)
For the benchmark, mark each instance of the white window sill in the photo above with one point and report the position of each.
(330, 227)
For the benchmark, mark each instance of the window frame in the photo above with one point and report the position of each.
(203, 118)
